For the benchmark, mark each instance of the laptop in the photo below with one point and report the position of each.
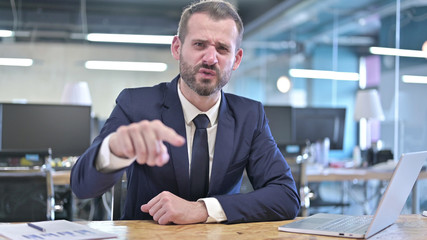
(404, 176)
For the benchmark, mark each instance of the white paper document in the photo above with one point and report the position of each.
(47, 230)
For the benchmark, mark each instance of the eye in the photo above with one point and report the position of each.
(198, 44)
(223, 49)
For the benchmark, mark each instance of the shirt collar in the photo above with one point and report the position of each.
(191, 111)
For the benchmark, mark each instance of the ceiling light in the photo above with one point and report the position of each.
(126, 66)
(397, 52)
(130, 38)
(320, 74)
(18, 62)
(362, 21)
(283, 84)
(6, 33)
(414, 79)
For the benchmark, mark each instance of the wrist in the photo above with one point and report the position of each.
(202, 212)
(112, 146)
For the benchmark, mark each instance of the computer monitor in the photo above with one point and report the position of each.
(63, 128)
(315, 124)
(280, 122)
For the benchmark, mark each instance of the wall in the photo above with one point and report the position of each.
(56, 64)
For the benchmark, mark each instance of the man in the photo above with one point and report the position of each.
(150, 136)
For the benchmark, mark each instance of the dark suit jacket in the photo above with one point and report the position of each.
(243, 141)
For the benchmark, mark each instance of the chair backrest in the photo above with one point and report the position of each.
(26, 186)
(296, 161)
(26, 195)
(118, 198)
(297, 157)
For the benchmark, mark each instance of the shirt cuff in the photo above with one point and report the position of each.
(215, 212)
(108, 162)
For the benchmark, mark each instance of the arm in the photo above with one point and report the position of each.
(142, 140)
(274, 196)
(86, 181)
(168, 208)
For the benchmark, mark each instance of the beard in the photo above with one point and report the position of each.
(204, 87)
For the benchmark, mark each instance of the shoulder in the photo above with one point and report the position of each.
(241, 104)
(233, 99)
(142, 93)
(143, 102)
(246, 113)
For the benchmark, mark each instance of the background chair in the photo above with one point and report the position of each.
(26, 195)
(26, 186)
(296, 156)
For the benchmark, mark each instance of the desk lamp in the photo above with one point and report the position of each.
(368, 108)
(76, 93)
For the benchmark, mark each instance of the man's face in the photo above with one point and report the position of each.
(208, 54)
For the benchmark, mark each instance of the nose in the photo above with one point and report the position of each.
(210, 56)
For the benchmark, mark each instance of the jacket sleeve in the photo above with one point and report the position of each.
(85, 180)
(275, 196)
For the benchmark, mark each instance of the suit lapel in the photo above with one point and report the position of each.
(224, 145)
(173, 117)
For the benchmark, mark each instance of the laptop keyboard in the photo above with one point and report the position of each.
(347, 224)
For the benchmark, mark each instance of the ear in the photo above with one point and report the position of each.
(176, 47)
(238, 58)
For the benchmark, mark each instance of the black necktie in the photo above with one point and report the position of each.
(199, 174)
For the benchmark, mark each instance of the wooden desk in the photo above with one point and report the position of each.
(61, 177)
(407, 227)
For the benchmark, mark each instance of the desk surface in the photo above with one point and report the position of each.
(407, 227)
(61, 177)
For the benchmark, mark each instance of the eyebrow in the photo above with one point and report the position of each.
(222, 44)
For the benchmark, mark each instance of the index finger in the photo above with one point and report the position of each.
(167, 134)
(146, 207)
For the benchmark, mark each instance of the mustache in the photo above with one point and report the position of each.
(210, 67)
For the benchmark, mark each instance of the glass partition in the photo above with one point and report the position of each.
(343, 38)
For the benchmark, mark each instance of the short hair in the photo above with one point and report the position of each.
(217, 10)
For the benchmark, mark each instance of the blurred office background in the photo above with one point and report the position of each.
(282, 37)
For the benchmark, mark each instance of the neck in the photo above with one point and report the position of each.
(203, 103)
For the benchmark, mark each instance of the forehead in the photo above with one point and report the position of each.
(202, 26)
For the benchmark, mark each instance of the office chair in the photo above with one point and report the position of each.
(118, 198)
(297, 163)
(296, 156)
